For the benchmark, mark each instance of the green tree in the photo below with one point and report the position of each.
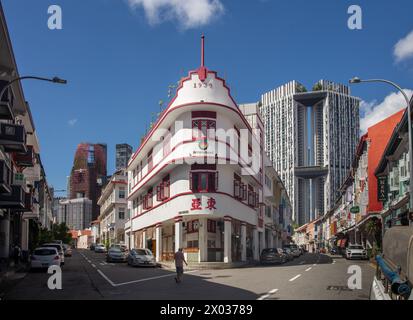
(317, 87)
(61, 232)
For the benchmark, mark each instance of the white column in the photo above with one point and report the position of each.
(256, 253)
(227, 239)
(263, 245)
(132, 240)
(25, 235)
(203, 240)
(178, 234)
(158, 235)
(4, 236)
(271, 237)
(144, 238)
(243, 242)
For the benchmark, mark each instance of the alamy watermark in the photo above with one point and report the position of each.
(55, 280)
(355, 21)
(55, 20)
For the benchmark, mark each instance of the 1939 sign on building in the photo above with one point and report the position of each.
(382, 189)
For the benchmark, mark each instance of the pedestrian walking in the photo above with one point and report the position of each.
(16, 255)
(179, 264)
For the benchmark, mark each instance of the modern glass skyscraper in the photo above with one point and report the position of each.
(311, 138)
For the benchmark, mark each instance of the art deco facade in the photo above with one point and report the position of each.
(191, 188)
(311, 138)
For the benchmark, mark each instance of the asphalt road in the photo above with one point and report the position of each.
(86, 275)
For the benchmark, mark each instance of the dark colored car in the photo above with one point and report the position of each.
(92, 246)
(272, 256)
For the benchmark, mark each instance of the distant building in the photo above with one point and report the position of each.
(311, 138)
(123, 153)
(89, 173)
(114, 209)
(76, 213)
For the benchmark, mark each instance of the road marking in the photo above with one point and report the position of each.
(308, 269)
(102, 264)
(106, 278)
(93, 265)
(265, 296)
(296, 277)
(314, 264)
(273, 291)
(334, 261)
(302, 262)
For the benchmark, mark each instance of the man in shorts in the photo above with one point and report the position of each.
(179, 264)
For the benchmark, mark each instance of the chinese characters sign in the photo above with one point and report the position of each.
(197, 205)
(382, 189)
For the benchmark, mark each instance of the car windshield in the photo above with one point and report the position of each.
(57, 246)
(269, 251)
(44, 252)
(356, 247)
(115, 250)
(141, 252)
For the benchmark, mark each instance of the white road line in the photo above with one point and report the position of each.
(308, 269)
(106, 278)
(136, 281)
(93, 265)
(302, 262)
(265, 296)
(314, 264)
(296, 277)
(102, 264)
(272, 291)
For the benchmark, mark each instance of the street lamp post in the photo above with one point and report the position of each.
(409, 103)
(54, 80)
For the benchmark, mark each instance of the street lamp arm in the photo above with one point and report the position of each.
(55, 80)
(392, 84)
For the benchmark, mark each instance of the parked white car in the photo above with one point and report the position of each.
(59, 249)
(44, 257)
(100, 248)
(356, 251)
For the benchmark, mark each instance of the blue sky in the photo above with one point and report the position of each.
(119, 59)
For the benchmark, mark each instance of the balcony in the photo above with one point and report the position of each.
(5, 177)
(16, 199)
(13, 137)
(25, 159)
(6, 103)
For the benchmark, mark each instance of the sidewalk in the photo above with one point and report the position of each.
(10, 275)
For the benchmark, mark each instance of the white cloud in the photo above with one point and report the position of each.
(404, 48)
(371, 112)
(72, 122)
(188, 13)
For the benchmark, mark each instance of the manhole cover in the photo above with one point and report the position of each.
(338, 288)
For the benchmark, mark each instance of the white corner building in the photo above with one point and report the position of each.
(196, 181)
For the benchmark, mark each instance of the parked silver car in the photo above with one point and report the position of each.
(100, 248)
(116, 255)
(288, 254)
(141, 257)
(295, 251)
